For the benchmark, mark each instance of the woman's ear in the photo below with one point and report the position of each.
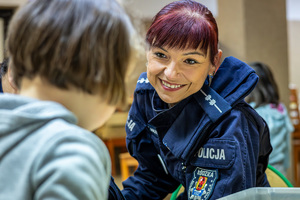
(217, 59)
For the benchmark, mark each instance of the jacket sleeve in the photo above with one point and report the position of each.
(72, 166)
(258, 126)
(150, 180)
(114, 192)
(149, 183)
(265, 149)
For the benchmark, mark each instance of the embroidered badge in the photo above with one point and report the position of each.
(202, 184)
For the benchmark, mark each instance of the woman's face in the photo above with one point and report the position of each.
(176, 74)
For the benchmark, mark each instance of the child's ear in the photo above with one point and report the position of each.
(11, 81)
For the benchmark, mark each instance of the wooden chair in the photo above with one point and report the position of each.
(127, 162)
(276, 178)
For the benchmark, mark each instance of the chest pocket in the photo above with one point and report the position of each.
(216, 153)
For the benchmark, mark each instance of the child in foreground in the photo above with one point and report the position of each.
(68, 60)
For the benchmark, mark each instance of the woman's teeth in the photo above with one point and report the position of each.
(170, 86)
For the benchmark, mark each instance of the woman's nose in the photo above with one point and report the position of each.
(171, 70)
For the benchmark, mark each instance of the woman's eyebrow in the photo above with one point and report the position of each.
(163, 49)
(194, 52)
(188, 53)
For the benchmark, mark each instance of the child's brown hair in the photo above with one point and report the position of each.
(83, 44)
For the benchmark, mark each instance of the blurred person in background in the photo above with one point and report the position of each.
(265, 100)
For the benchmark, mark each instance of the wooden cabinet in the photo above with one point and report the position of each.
(296, 158)
(294, 115)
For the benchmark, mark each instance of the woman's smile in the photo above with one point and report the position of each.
(170, 86)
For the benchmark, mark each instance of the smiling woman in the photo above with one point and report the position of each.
(191, 121)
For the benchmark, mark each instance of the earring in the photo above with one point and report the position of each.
(146, 64)
(210, 77)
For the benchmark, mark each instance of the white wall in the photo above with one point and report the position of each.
(148, 8)
(293, 9)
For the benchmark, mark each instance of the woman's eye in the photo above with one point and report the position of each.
(160, 55)
(190, 61)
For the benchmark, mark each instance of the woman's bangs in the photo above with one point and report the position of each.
(183, 35)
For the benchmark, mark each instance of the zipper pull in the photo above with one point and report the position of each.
(162, 163)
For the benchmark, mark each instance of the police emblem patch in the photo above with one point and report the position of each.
(202, 184)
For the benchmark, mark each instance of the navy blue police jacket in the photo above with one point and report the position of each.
(212, 142)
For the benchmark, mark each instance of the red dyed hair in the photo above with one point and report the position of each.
(184, 24)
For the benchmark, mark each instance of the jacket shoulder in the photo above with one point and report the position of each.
(143, 83)
(251, 114)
